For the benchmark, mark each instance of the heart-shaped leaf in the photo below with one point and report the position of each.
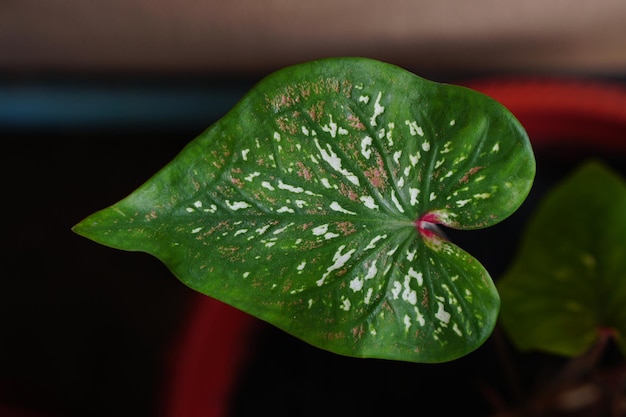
(567, 282)
(310, 206)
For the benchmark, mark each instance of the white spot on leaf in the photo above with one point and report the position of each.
(442, 314)
(368, 296)
(356, 284)
(413, 193)
(369, 202)
(389, 135)
(415, 159)
(396, 202)
(396, 290)
(339, 261)
(262, 229)
(266, 184)
(337, 207)
(378, 109)
(331, 127)
(282, 229)
(414, 129)
(335, 162)
(237, 205)
(365, 147)
(407, 322)
(419, 317)
(417, 275)
(371, 271)
(288, 187)
(252, 176)
(409, 295)
(396, 157)
(372, 244)
(320, 230)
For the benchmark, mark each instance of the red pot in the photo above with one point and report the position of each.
(557, 114)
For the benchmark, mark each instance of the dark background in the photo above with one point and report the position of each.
(87, 330)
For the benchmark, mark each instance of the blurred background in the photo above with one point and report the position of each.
(95, 96)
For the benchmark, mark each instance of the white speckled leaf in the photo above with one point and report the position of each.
(308, 205)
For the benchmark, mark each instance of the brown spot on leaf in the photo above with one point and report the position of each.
(355, 122)
(303, 171)
(377, 174)
(358, 332)
(465, 178)
(347, 228)
(377, 177)
(425, 297)
(305, 226)
(348, 192)
(316, 112)
(237, 182)
(305, 89)
(334, 336)
(309, 245)
(286, 125)
(196, 184)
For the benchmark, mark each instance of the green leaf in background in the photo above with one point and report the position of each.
(311, 204)
(568, 281)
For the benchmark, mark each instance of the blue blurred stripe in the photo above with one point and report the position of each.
(80, 105)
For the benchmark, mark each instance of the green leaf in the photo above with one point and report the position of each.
(567, 282)
(311, 203)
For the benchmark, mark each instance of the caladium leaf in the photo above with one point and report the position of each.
(310, 206)
(567, 284)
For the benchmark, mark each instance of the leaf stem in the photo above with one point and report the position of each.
(428, 226)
